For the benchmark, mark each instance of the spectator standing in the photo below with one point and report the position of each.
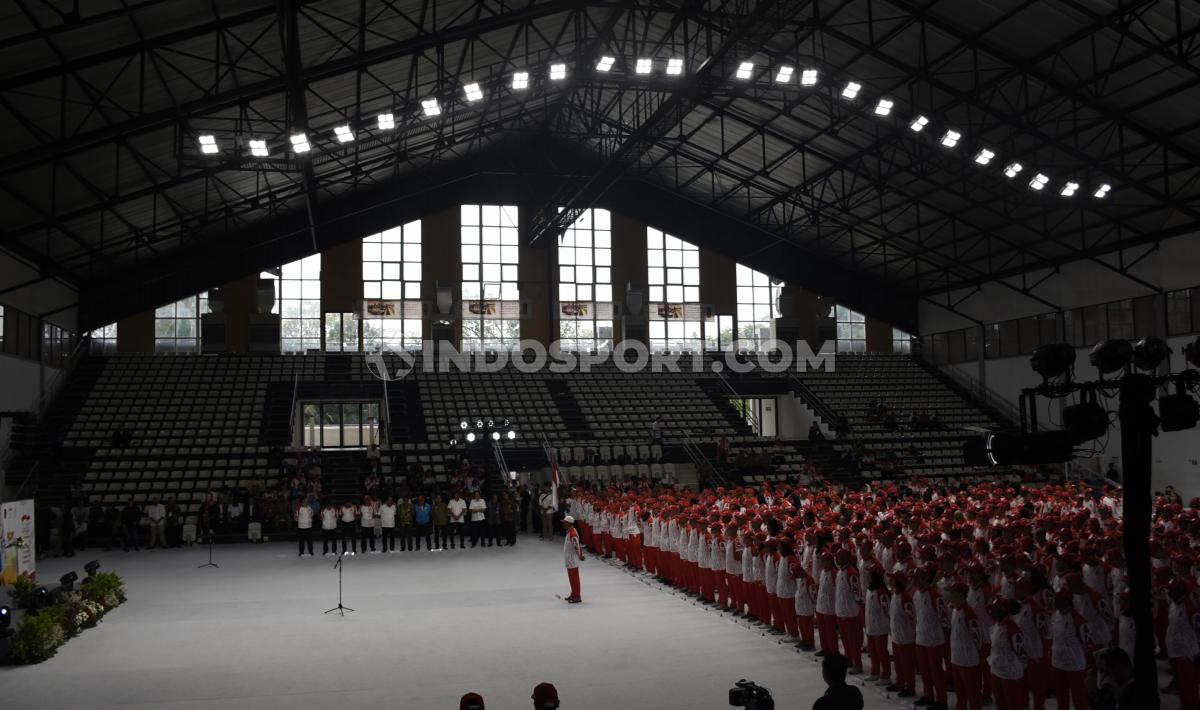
(329, 528)
(458, 519)
(405, 513)
(131, 517)
(546, 507)
(478, 508)
(526, 501)
(441, 524)
(423, 519)
(174, 524)
(494, 514)
(210, 512)
(156, 514)
(304, 521)
(366, 521)
(387, 523)
(349, 526)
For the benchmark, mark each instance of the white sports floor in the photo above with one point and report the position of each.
(428, 628)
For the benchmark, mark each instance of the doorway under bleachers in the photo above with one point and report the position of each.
(340, 424)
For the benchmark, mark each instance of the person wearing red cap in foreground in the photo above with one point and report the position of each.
(902, 631)
(966, 644)
(1008, 657)
(847, 605)
(1070, 646)
(545, 697)
(573, 555)
(877, 604)
(930, 638)
(1182, 646)
(471, 701)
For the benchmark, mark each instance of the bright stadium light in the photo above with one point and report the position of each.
(300, 143)
(1038, 182)
(1069, 189)
(470, 437)
(473, 92)
(495, 436)
(1102, 191)
(784, 75)
(984, 156)
(674, 66)
(605, 63)
(644, 66)
(1013, 169)
(808, 77)
(258, 148)
(511, 434)
(744, 70)
(520, 80)
(208, 144)
(951, 138)
(918, 123)
(558, 72)
(344, 134)
(851, 90)
(431, 107)
(884, 107)
(387, 121)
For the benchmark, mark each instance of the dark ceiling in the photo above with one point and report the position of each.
(103, 183)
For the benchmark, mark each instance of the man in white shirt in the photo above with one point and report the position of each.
(478, 508)
(304, 521)
(366, 522)
(546, 506)
(156, 514)
(457, 508)
(387, 521)
(329, 526)
(349, 524)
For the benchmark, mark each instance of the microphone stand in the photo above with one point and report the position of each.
(340, 608)
(212, 538)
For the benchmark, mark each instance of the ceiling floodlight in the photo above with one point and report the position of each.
(744, 70)
(208, 144)
(300, 143)
(1102, 191)
(511, 434)
(784, 75)
(605, 63)
(808, 77)
(644, 66)
(431, 107)
(674, 66)
(951, 138)
(470, 437)
(884, 107)
(558, 72)
(520, 80)
(1013, 169)
(258, 149)
(1069, 189)
(918, 123)
(1038, 182)
(851, 90)
(387, 121)
(495, 436)
(473, 92)
(984, 157)
(344, 134)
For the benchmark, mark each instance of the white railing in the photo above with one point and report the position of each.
(742, 407)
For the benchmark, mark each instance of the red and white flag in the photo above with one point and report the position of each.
(554, 482)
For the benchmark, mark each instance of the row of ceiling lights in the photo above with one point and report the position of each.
(473, 93)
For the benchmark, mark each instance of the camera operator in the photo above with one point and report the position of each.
(838, 696)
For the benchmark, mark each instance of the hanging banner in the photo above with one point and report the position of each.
(492, 309)
(379, 308)
(585, 310)
(17, 554)
(682, 311)
(667, 311)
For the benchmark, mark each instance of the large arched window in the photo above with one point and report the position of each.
(673, 276)
(391, 292)
(491, 302)
(585, 283)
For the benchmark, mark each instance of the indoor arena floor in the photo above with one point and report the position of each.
(427, 628)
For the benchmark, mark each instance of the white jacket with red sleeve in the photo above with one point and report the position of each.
(966, 637)
(901, 620)
(878, 607)
(1008, 656)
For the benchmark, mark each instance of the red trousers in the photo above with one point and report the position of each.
(906, 666)
(881, 665)
(787, 610)
(968, 687)
(852, 638)
(764, 603)
(806, 624)
(634, 545)
(777, 619)
(827, 625)
(1037, 675)
(1070, 686)
(619, 544)
(933, 676)
(573, 576)
(1185, 679)
(1010, 694)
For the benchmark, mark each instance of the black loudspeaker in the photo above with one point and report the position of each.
(635, 298)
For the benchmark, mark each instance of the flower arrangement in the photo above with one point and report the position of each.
(41, 634)
(22, 590)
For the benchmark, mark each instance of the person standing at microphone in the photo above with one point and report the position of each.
(573, 555)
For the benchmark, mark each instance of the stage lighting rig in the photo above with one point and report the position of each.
(1111, 356)
(1149, 353)
(91, 568)
(5, 619)
(68, 581)
(1191, 352)
(1053, 360)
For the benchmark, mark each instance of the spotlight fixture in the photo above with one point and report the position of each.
(984, 156)
(1013, 169)
(884, 107)
(1149, 353)
(744, 70)
(851, 90)
(1038, 182)
(951, 138)
(300, 143)
(91, 568)
(68, 580)
(463, 424)
(605, 63)
(1191, 352)
(454, 441)
(1069, 189)
(387, 121)
(1177, 412)
(40, 599)
(674, 66)
(491, 423)
(511, 435)
(1085, 422)
(520, 80)
(784, 75)
(1012, 449)
(5, 618)
(1102, 191)
(478, 423)
(258, 148)
(1111, 356)
(918, 123)
(431, 107)
(1052, 360)
(473, 92)
(644, 65)
(344, 134)
(558, 72)
(208, 144)
(495, 436)
(808, 77)
(470, 437)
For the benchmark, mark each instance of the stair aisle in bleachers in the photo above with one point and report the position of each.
(568, 408)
